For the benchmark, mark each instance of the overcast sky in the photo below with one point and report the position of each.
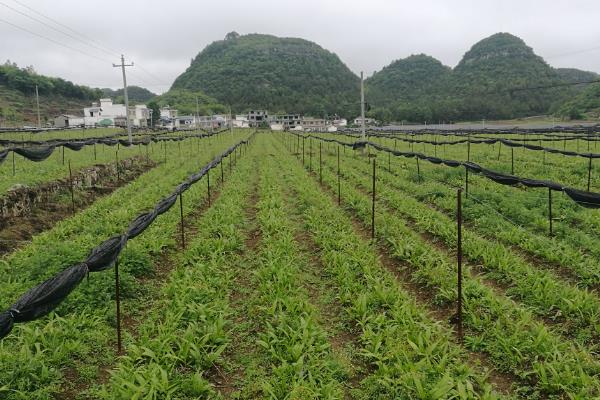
(161, 37)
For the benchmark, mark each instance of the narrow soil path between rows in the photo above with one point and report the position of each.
(39, 209)
(501, 382)
(164, 263)
(228, 382)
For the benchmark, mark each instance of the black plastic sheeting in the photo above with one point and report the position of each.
(39, 152)
(491, 141)
(549, 131)
(583, 198)
(45, 297)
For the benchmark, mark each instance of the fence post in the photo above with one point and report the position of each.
(512, 160)
(550, 209)
(222, 177)
(310, 154)
(499, 149)
(13, 163)
(165, 146)
(589, 173)
(321, 164)
(71, 188)
(418, 168)
(95, 157)
(181, 218)
(63, 155)
(118, 304)
(117, 165)
(208, 185)
(303, 140)
(373, 205)
(459, 262)
(338, 177)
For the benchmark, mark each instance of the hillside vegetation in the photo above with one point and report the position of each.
(278, 74)
(185, 102)
(482, 85)
(135, 94)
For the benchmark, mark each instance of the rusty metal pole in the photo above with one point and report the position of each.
(467, 169)
(550, 210)
(208, 185)
(118, 303)
(71, 188)
(310, 154)
(63, 155)
(222, 177)
(512, 160)
(181, 218)
(373, 205)
(338, 177)
(321, 164)
(117, 165)
(303, 140)
(459, 262)
(589, 173)
(95, 157)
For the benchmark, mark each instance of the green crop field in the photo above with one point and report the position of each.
(299, 267)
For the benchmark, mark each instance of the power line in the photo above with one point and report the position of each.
(145, 82)
(51, 27)
(66, 27)
(53, 41)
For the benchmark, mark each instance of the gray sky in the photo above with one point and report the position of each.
(163, 36)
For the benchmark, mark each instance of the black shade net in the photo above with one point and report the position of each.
(46, 296)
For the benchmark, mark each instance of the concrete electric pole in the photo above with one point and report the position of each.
(123, 65)
(37, 100)
(363, 135)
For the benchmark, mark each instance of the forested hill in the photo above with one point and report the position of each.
(17, 95)
(268, 72)
(135, 94)
(482, 85)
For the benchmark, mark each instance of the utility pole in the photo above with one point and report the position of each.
(362, 107)
(230, 121)
(197, 114)
(123, 65)
(37, 100)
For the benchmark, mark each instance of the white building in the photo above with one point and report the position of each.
(107, 113)
(315, 124)
(168, 112)
(241, 121)
(67, 121)
(340, 122)
(368, 121)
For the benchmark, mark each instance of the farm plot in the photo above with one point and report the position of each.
(274, 288)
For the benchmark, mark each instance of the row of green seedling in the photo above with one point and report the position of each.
(185, 333)
(409, 354)
(545, 293)
(512, 337)
(298, 360)
(80, 333)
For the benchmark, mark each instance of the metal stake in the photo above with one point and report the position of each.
(118, 302)
(208, 185)
(373, 205)
(71, 188)
(459, 262)
(338, 177)
(181, 217)
(321, 164)
(550, 210)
